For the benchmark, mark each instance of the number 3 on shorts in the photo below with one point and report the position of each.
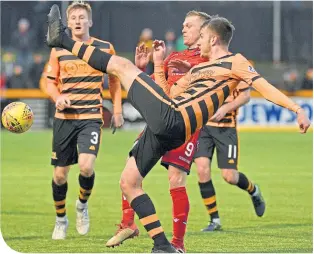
(189, 149)
(94, 140)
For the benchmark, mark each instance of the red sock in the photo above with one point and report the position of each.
(180, 212)
(127, 212)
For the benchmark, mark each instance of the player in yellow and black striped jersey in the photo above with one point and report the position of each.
(220, 134)
(76, 88)
(170, 122)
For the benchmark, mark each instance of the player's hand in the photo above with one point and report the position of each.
(303, 121)
(116, 122)
(142, 56)
(180, 65)
(159, 52)
(220, 114)
(63, 102)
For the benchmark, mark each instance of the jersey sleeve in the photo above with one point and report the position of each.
(53, 67)
(115, 89)
(243, 86)
(243, 70)
(160, 78)
(181, 85)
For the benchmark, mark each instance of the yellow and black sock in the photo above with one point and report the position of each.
(59, 193)
(91, 55)
(144, 208)
(86, 187)
(245, 184)
(209, 198)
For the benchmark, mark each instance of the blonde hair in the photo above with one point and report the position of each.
(79, 5)
(203, 15)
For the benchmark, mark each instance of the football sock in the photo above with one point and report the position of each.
(91, 55)
(180, 212)
(246, 184)
(59, 194)
(144, 208)
(86, 187)
(209, 198)
(127, 212)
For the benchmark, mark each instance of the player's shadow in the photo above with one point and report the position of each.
(24, 213)
(258, 229)
(21, 238)
(272, 226)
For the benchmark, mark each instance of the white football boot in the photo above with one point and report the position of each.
(60, 230)
(82, 218)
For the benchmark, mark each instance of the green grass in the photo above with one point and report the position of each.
(281, 163)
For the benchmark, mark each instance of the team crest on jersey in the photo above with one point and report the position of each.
(251, 69)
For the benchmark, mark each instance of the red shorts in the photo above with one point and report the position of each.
(182, 157)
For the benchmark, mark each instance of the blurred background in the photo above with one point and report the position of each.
(276, 36)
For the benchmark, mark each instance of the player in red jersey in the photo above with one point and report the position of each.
(177, 161)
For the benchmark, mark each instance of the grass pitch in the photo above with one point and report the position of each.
(281, 163)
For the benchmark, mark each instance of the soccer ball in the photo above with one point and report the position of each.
(17, 117)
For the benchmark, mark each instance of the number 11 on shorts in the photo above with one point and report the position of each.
(232, 151)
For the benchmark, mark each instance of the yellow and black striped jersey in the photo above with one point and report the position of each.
(230, 119)
(77, 79)
(207, 86)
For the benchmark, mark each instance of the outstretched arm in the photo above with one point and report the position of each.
(243, 70)
(272, 94)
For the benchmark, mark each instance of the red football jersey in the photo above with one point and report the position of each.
(193, 56)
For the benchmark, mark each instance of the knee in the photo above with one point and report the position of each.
(119, 63)
(60, 175)
(230, 176)
(176, 177)
(86, 164)
(127, 185)
(86, 168)
(203, 169)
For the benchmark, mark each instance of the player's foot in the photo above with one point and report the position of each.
(55, 27)
(82, 218)
(167, 248)
(180, 249)
(212, 226)
(258, 202)
(123, 233)
(60, 230)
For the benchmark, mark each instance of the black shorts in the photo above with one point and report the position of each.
(157, 109)
(165, 126)
(225, 140)
(71, 137)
